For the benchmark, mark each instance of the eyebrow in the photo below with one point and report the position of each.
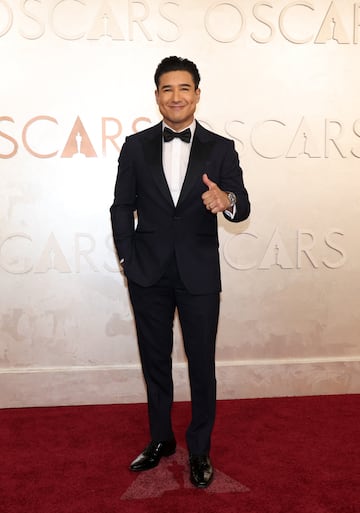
(179, 85)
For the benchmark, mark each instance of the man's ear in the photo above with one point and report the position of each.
(198, 93)
(157, 96)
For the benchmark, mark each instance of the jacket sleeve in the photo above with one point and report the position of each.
(124, 205)
(232, 181)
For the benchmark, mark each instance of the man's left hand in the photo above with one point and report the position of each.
(215, 200)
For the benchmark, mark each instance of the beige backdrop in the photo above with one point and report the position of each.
(282, 79)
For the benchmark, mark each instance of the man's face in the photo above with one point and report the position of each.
(177, 98)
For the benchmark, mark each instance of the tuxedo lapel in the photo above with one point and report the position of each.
(153, 158)
(197, 162)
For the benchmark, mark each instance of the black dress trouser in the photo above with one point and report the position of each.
(154, 309)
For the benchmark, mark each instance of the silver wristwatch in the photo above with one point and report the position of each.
(232, 199)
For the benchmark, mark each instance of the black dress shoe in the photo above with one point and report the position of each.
(201, 471)
(152, 454)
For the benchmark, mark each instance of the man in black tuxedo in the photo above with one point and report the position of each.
(176, 176)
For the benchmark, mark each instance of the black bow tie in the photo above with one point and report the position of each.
(169, 135)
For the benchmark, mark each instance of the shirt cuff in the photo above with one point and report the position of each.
(230, 214)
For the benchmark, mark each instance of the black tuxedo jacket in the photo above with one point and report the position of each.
(187, 231)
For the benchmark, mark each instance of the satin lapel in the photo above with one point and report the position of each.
(153, 158)
(197, 165)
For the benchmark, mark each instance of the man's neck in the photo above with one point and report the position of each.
(192, 126)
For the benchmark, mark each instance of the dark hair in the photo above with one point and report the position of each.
(177, 64)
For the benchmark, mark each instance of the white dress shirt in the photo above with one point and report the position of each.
(176, 154)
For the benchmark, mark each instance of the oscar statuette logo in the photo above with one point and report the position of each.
(78, 144)
(172, 474)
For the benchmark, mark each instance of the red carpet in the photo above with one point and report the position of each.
(286, 455)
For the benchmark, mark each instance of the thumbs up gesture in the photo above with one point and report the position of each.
(214, 199)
